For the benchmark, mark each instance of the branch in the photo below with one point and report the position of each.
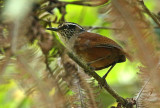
(111, 28)
(149, 13)
(82, 3)
(102, 82)
(107, 28)
(85, 3)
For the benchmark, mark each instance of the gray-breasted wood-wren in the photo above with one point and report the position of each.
(98, 51)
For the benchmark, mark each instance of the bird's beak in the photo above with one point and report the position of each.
(53, 29)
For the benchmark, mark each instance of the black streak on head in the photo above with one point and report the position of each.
(70, 26)
(69, 29)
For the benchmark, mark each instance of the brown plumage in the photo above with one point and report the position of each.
(98, 51)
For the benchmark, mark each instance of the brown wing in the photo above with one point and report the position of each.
(91, 39)
(98, 50)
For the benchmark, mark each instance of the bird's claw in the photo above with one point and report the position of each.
(101, 84)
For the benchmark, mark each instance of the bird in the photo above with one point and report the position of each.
(97, 51)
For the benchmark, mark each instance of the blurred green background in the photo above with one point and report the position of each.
(123, 78)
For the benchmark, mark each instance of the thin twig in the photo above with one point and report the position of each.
(140, 92)
(149, 13)
(96, 27)
(111, 28)
(82, 3)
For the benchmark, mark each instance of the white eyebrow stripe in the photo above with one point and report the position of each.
(68, 23)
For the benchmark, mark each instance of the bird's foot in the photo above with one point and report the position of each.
(104, 77)
(103, 82)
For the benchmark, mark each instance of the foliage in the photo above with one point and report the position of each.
(37, 72)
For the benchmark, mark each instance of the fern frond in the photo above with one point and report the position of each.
(140, 39)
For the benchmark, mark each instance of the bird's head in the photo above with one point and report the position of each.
(68, 29)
